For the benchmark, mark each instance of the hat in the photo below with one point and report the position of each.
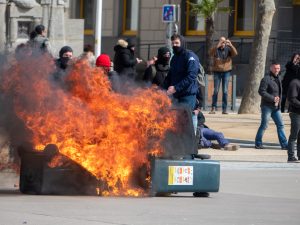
(103, 60)
(64, 49)
(163, 50)
(131, 42)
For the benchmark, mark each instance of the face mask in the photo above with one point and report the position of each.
(64, 62)
(166, 60)
(177, 49)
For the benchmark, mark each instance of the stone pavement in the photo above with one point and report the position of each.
(241, 129)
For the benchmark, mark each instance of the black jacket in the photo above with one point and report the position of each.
(292, 72)
(124, 61)
(269, 88)
(156, 74)
(293, 96)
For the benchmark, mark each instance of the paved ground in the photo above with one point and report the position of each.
(241, 129)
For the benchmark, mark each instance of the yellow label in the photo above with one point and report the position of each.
(180, 175)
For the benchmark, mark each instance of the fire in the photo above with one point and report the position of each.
(109, 134)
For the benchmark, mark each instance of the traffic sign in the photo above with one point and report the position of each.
(169, 13)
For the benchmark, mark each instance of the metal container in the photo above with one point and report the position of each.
(184, 175)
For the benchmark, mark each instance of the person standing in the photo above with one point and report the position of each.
(270, 90)
(292, 72)
(62, 63)
(156, 73)
(39, 41)
(222, 65)
(181, 81)
(293, 97)
(124, 59)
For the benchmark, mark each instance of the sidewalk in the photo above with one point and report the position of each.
(241, 129)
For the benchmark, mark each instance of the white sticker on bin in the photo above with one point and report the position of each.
(180, 175)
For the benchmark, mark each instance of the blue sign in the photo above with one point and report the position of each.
(169, 13)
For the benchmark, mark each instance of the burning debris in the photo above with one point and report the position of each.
(109, 134)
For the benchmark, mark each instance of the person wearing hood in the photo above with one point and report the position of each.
(181, 81)
(62, 63)
(292, 71)
(157, 72)
(124, 59)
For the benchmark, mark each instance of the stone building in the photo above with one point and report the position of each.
(73, 23)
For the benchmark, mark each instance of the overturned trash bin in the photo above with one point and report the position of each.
(179, 169)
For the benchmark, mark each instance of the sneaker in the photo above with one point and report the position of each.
(293, 160)
(213, 110)
(284, 148)
(259, 147)
(224, 112)
(231, 147)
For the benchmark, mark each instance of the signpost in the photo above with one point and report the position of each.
(169, 16)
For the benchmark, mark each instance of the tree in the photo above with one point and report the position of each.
(251, 99)
(207, 10)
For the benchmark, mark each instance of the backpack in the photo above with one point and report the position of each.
(201, 76)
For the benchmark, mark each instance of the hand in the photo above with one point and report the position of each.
(228, 43)
(151, 61)
(139, 60)
(171, 90)
(276, 99)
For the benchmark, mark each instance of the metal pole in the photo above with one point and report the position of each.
(98, 28)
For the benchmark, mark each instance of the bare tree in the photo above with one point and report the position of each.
(251, 99)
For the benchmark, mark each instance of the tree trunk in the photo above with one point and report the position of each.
(209, 29)
(251, 99)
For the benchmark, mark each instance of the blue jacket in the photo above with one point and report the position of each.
(183, 72)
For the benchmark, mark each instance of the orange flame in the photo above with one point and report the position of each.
(110, 134)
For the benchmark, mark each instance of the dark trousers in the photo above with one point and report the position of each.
(294, 135)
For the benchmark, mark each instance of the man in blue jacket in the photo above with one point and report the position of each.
(181, 81)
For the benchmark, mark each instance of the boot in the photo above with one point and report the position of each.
(213, 110)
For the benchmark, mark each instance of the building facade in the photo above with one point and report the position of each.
(73, 23)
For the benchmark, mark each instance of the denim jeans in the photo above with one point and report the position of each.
(294, 135)
(189, 100)
(218, 77)
(266, 113)
(208, 135)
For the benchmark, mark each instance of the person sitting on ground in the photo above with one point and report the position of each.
(157, 72)
(207, 135)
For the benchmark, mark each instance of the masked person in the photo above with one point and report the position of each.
(181, 81)
(62, 63)
(157, 72)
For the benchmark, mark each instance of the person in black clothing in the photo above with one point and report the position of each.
(62, 63)
(124, 59)
(292, 72)
(270, 90)
(293, 97)
(157, 72)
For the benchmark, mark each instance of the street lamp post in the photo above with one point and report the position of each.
(98, 28)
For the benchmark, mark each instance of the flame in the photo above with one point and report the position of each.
(110, 134)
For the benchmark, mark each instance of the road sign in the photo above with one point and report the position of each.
(169, 13)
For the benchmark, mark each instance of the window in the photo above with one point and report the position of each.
(130, 17)
(87, 13)
(195, 25)
(244, 21)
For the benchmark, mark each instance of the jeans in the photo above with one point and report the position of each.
(266, 113)
(218, 77)
(294, 135)
(189, 100)
(207, 135)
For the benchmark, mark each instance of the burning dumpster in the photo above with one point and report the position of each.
(86, 138)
